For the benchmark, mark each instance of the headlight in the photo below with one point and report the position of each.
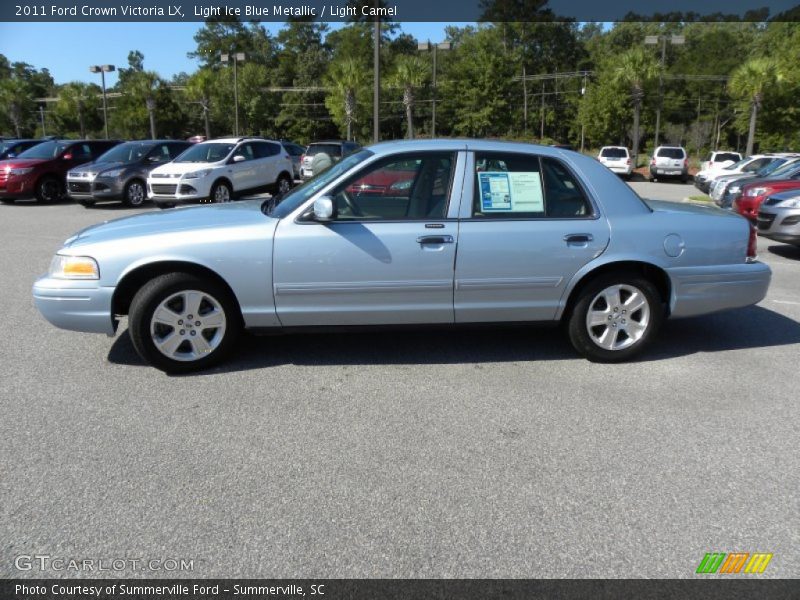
(24, 171)
(74, 267)
(790, 203)
(753, 192)
(111, 173)
(197, 174)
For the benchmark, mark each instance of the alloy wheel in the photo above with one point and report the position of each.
(188, 325)
(618, 317)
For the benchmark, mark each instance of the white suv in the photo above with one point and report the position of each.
(617, 159)
(669, 161)
(220, 170)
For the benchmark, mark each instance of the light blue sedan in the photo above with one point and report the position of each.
(422, 233)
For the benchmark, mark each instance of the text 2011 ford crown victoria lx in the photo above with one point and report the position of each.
(480, 232)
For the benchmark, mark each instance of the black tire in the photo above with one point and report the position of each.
(49, 189)
(581, 335)
(135, 194)
(7, 200)
(159, 290)
(86, 203)
(283, 185)
(216, 188)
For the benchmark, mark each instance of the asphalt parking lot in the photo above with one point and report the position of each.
(489, 453)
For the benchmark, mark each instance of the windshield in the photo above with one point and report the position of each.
(125, 153)
(4, 146)
(738, 164)
(45, 150)
(770, 167)
(786, 170)
(329, 149)
(202, 153)
(614, 153)
(304, 191)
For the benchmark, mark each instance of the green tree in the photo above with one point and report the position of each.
(410, 74)
(749, 82)
(78, 105)
(348, 80)
(199, 88)
(16, 100)
(634, 69)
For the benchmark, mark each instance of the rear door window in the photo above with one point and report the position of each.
(266, 149)
(332, 150)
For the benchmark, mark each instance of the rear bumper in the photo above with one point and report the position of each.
(75, 305)
(702, 290)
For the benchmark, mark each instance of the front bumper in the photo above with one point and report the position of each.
(703, 290)
(16, 187)
(177, 191)
(772, 224)
(75, 305)
(101, 188)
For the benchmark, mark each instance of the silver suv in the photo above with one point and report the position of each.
(669, 161)
(335, 149)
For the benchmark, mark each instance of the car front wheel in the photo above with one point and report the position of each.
(181, 323)
(615, 318)
(135, 194)
(48, 190)
(221, 192)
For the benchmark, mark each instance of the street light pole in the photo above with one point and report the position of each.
(376, 78)
(434, 47)
(237, 56)
(653, 40)
(151, 106)
(103, 69)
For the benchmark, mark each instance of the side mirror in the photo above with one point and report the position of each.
(68, 156)
(323, 209)
(238, 158)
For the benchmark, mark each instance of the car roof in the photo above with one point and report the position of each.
(382, 148)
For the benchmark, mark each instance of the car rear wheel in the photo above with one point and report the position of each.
(283, 185)
(221, 192)
(181, 323)
(48, 190)
(135, 193)
(615, 317)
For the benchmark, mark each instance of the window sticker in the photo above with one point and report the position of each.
(511, 192)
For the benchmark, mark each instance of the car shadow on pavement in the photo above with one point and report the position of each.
(749, 328)
(786, 251)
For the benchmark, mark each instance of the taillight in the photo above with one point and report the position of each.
(302, 157)
(629, 161)
(752, 243)
(685, 162)
(653, 161)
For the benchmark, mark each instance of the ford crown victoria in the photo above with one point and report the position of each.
(484, 232)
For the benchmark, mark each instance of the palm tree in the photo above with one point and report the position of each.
(199, 87)
(749, 82)
(145, 85)
(410, 73)
(347, 77)
(634, 69)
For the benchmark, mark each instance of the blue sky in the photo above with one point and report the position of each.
(67, 49)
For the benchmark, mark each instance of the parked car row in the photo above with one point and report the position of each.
(666, 161)
(167, 172)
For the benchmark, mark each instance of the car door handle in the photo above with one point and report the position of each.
(435, 239)
(578, 238)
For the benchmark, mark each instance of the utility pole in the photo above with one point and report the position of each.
(376, 80)
(237, 56)
(103, 69)
(652, 40)
(541, 127)
(426, 46)
(525, 99)
(583, 123)
(41, 114)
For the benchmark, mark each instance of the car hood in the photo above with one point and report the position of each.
(99, 167)
(181, 168)
(21, 163)
(215, 216)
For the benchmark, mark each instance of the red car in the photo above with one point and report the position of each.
(753, 194)
(41, 171)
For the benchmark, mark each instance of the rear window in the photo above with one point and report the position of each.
(329, 149)
(614, 153)
(670, 153)
(723, 156)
